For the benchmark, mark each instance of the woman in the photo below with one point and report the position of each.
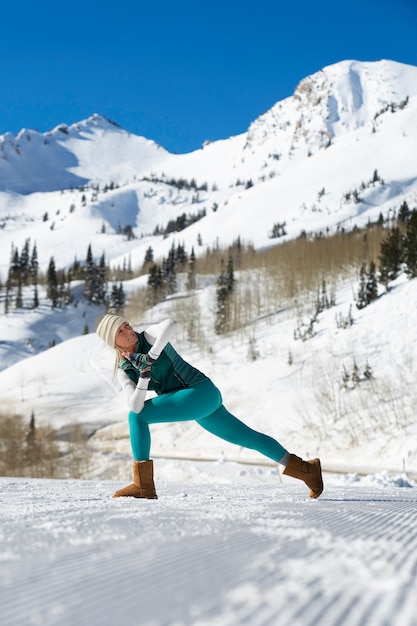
(147, 361)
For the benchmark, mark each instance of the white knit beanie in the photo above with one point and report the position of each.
(107, 328)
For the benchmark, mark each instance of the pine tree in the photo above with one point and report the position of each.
(371, 284)
(34, 265)
(148, 256)
(7, 299)
(117, 299)
(35, 297)
(368, 289)
(155, 285)
(24, 263)
(224, 288)
(64, 290)
(101, 286)
(30, 437)
(89, 275)
(14, 267)
(181, 255)
(121, 297)
(391, 256)
(30, 449)
(404, 212)
(95, 287)
(52, 284)
(230, 275)
(128, 231)
(19, 297)
(113, 302)
(220, 325)
(191, 271)
(169, 272)
(76, 270)
(410, 245)
(361, 299)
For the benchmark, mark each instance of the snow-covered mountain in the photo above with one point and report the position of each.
(298, 163)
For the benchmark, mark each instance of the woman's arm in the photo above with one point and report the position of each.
(135, 394)
(159, 335)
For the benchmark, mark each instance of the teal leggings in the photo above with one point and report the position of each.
(202, 403)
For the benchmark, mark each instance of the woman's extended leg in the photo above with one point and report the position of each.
(228, 427)
(202, 403)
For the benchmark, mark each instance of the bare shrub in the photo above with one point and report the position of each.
(301, 265)
(12, 448)
(27, 450)
(187, 312)
(78, 457)
(42, 454)
(347, 416)
(34, 451)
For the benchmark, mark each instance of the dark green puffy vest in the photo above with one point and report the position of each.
(169, 373)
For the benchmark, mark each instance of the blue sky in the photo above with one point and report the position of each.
(181, 72)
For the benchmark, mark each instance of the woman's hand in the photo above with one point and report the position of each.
(142, 362)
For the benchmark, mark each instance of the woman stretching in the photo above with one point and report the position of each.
(147, 361)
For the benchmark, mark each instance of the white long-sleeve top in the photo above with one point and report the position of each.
(158, 335)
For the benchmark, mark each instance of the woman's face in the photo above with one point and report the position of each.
(126, 338)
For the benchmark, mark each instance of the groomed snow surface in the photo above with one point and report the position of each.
(241, 545)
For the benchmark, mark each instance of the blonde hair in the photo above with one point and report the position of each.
(118, 359)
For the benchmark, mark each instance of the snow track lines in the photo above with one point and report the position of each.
(203, 555)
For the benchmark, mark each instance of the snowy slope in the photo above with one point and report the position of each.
(372, 424)
(250, 550)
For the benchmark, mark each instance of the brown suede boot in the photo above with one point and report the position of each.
(307, 471)
(143, 485)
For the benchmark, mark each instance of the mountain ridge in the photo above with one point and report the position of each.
(296, 163)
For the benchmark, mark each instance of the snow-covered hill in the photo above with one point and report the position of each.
(305, 402)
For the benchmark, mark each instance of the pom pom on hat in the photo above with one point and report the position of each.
(107, 328)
